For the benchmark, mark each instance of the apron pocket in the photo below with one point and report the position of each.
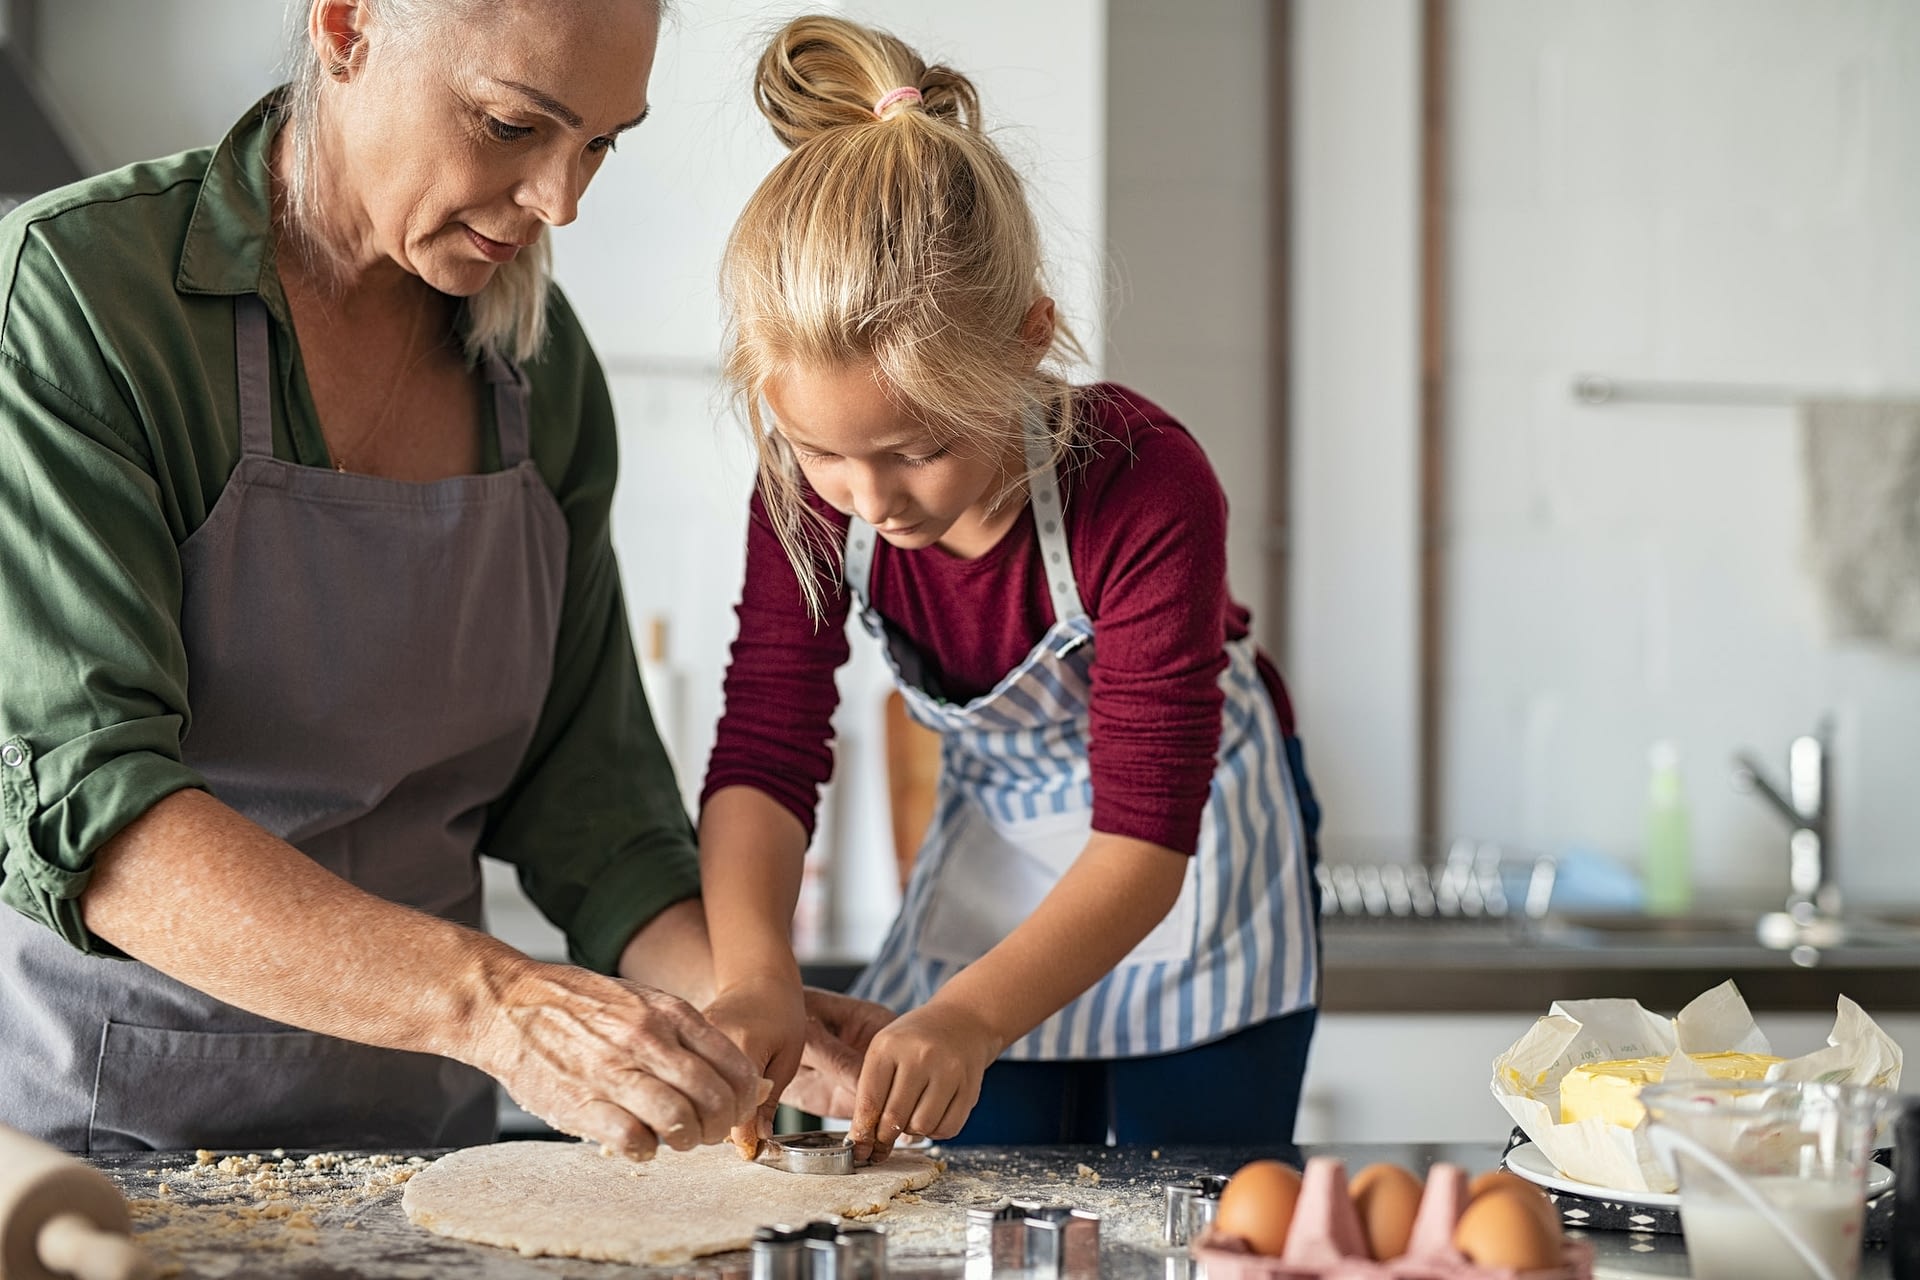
(995, 873)
(163, 1089)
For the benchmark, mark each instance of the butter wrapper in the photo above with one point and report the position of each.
(1526, 1078)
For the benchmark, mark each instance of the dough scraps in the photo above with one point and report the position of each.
(566, 1200)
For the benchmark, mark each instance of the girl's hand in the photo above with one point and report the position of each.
(839, 1029)
(767, 1018)
(613, 1061)
(922, 1076)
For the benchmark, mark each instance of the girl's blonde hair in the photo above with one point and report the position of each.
(509, 316)
(903, 239)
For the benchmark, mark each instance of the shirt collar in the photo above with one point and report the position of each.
(230, 244)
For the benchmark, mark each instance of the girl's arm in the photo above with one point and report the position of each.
(923, 1072)
(672, 952)
(771, 754)
(751, 852)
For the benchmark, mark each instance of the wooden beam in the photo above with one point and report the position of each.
(1276, 628)
(20, 27)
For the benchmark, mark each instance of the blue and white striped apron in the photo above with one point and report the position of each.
(1015, 808)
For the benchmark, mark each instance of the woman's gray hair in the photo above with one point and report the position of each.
(508, 317)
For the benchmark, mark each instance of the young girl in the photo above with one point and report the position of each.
(1110, 927)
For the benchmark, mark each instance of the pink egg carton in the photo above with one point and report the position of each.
(1326, 1242)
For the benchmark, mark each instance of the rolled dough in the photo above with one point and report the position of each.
(566, 1200)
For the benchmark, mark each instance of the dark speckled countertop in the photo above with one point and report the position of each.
(281, 1218)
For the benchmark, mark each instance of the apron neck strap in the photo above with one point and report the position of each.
(857, 557)
(510, 419)
(1049, 522)
(253, 364)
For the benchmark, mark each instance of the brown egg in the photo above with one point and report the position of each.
(1495, 1178)
(1500, 1179)
(1502, 1229)
(1386, 1197)
(1257, 1205)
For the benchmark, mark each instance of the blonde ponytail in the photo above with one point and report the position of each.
(900, 237)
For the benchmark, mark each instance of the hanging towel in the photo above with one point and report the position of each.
(1863, 517)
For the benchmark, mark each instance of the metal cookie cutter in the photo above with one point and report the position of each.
(1034, 1236)
(816, 1151)
(825, 1250)
(1191, 1206)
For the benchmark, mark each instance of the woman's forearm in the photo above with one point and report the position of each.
(210, 898)
(751, 852)
(204, 895)
(1112, 896)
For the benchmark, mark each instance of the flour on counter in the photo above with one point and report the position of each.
(213, 1209)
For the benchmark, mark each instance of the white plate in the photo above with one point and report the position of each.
(1532, 1164)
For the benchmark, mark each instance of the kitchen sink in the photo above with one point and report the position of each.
(1646, 931)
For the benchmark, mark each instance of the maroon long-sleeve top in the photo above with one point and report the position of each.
(1146, 525)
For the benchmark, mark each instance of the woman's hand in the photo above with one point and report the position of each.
(628, 1066)
(839, 1029)
(922, 1076)
(767, 1018)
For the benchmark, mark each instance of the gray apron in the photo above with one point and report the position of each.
(367, 660)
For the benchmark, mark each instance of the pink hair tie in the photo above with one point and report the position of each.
(905, 93)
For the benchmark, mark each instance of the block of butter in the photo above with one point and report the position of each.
(1610, 1091)
(1572, 1082)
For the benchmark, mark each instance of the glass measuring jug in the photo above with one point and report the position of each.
(1772, 1174)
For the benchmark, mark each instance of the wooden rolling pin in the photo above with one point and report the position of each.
(60, 1220)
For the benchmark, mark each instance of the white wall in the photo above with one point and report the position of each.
(1353, 657)
(641, 266)
(131, 79)
(1720, 191)
(1188, 221)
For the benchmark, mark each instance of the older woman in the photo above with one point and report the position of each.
(305, 473)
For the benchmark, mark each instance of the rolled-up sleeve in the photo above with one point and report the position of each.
(93, 680)
(594, 823)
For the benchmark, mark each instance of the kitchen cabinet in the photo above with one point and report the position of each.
(1405, 1077)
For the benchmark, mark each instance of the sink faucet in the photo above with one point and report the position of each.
(1807, 807)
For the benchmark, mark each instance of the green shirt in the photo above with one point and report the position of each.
(119, 425)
